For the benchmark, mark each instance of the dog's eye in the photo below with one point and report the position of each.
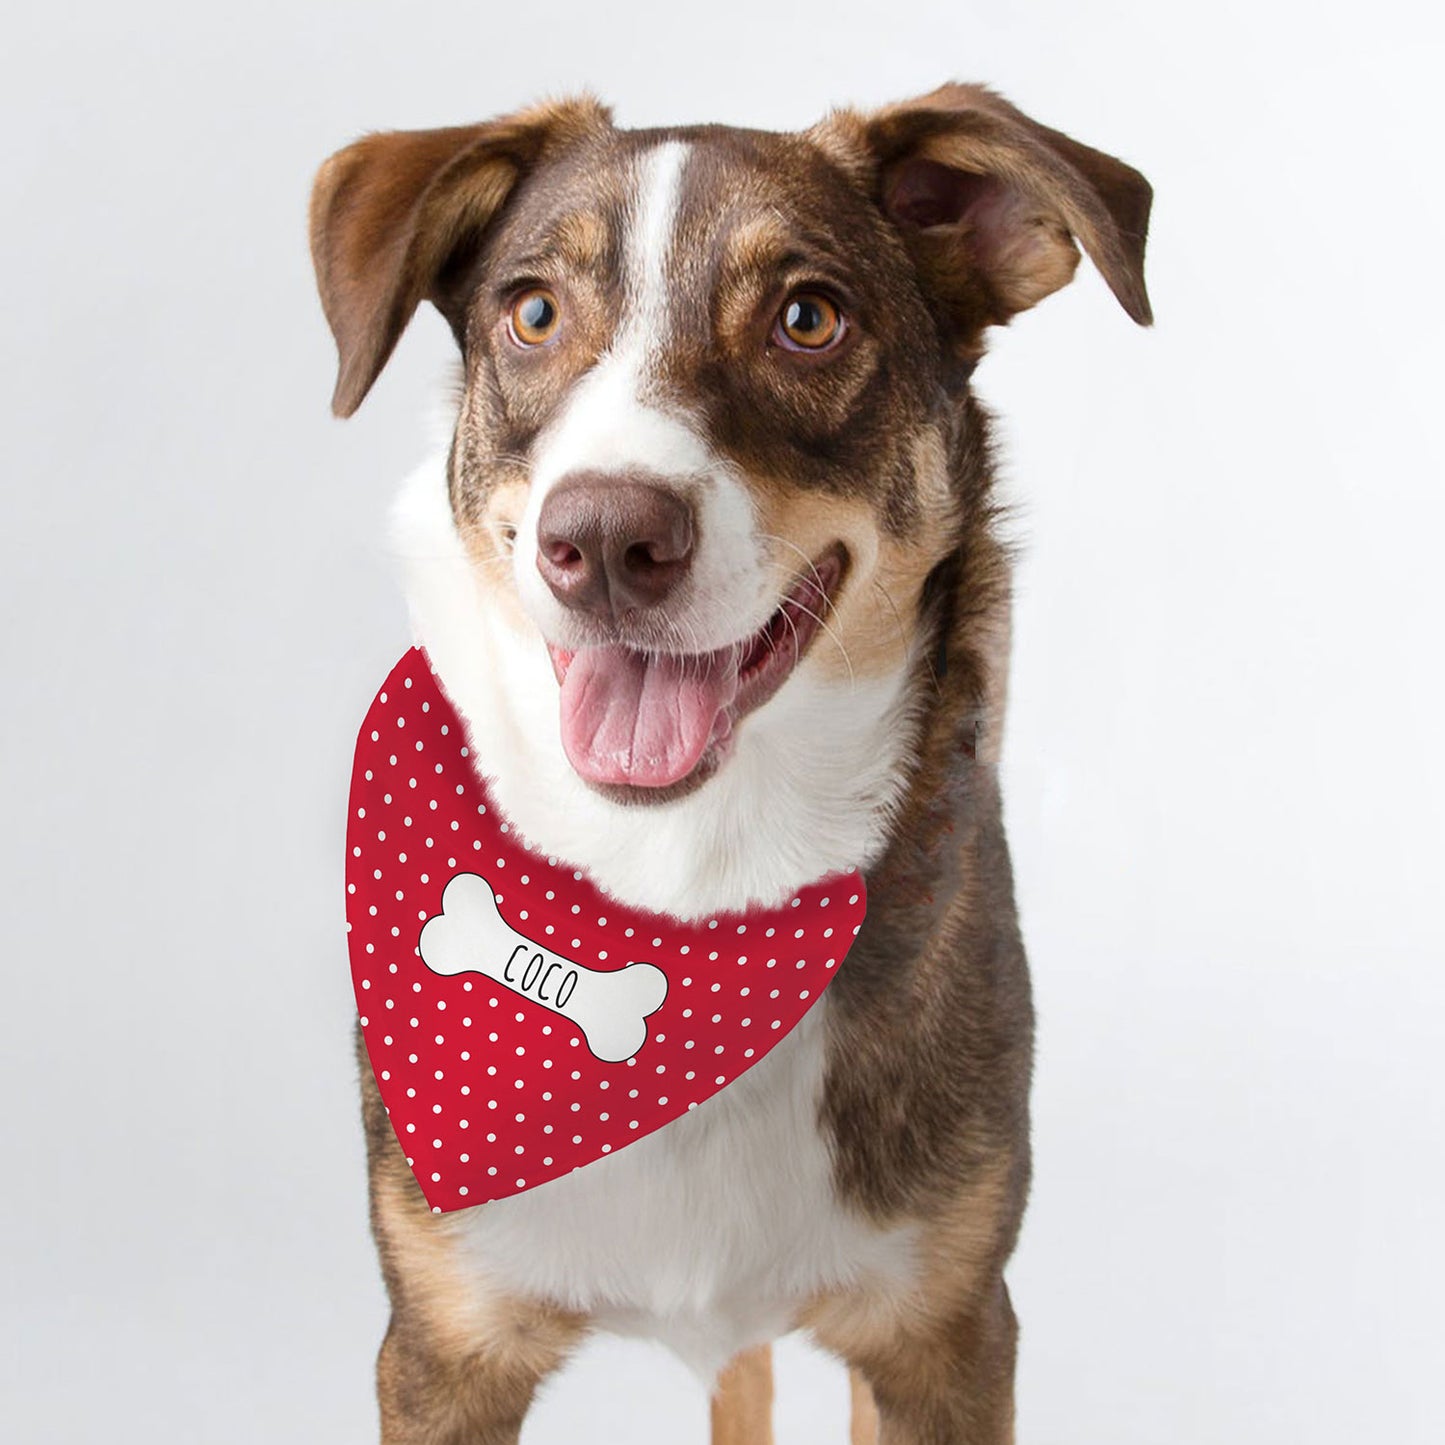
(808, 322)
(535, 317)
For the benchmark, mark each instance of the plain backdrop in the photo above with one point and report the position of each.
(1224, 774)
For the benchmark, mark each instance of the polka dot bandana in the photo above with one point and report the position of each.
(519, 1021)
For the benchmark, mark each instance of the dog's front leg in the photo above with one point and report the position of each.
(934, 1377)
(432, 1396)
(951, 1383)
(462, 1358)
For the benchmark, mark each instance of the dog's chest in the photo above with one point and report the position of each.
(707, 1235)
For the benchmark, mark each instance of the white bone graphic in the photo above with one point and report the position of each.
(610, 1007)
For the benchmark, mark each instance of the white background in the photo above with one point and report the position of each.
(1224, 772)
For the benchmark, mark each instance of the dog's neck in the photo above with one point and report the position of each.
(811, 789)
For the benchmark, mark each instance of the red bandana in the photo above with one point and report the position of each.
(519, 1021)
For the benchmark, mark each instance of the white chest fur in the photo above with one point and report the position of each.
(706, 1235)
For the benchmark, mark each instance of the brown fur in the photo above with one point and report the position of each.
(742, 1403)
(931, 220)
(862, 1410)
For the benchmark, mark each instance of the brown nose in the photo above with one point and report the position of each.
(609, 545)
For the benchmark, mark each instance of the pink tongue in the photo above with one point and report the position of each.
(628, 717)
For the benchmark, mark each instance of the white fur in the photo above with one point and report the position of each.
(806, 791)
(706, 1235)
(615, 422)
(710, 1233)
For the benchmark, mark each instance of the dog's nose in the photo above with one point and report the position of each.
(613, 544)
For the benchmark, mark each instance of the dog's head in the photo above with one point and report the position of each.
(714, 433)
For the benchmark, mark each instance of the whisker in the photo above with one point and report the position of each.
(837, 641)
(807, 561)
(693, 652)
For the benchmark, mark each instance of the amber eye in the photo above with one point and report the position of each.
(535, 317)
(808, 322)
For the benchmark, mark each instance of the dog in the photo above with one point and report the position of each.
(717, 456)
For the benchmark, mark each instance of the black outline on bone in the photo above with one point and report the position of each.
(536, 943)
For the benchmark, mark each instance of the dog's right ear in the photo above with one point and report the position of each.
(397, 216)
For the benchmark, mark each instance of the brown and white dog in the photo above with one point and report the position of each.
(711, 570)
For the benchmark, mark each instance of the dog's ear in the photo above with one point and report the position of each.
(990, 203)
(397, 217)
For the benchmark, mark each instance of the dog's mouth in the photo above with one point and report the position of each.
(655, 724)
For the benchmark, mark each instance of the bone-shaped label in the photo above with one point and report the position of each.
(611, 1007)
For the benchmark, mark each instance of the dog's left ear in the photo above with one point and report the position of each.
(990, 203)
(397, 217)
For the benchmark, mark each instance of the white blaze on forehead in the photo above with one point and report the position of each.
(649, 247)
(614, 421)
(606, 425)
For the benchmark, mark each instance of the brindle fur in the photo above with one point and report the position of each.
(926, 1095)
